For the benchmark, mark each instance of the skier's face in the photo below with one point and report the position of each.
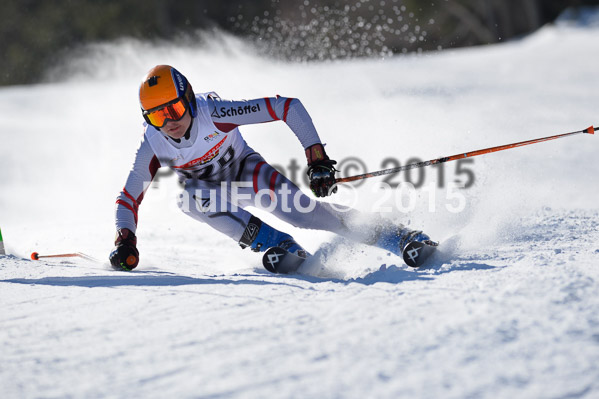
(177, 129)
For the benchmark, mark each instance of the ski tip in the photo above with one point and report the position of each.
(591, 129)
(279, 260)
(35, 256)
(416, 253)
(272, 257)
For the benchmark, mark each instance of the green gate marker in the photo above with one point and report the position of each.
(1, 244)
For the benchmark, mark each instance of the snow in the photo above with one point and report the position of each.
(508, 307)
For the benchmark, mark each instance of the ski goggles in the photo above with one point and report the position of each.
(159, 116)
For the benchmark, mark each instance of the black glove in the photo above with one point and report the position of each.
(322, 178)
(321, 171)
(125, 255)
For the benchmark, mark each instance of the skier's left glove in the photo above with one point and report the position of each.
(321, 171)
(125, 255)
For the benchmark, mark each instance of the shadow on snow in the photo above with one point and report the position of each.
(386, 274)
(134, 280)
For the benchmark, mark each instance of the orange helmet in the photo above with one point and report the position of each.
(164, 86)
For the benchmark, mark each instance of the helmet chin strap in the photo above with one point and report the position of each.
(188, 132)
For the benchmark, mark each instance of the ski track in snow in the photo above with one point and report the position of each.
(509, 306)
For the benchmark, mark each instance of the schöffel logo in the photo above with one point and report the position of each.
(236, 111)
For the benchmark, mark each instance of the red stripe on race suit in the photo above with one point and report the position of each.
(135, 202)
(271, 111)
(225, 127)
(154, 166)
(286, 111)
(255, 177)
(273, 181)
(153, 169)
(128, 206)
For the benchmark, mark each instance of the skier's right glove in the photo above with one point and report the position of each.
(125, 255)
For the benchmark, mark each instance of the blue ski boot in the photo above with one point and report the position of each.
(281, 253)
(396, 239)
(259, 237)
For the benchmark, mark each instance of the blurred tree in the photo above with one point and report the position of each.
(38, 33)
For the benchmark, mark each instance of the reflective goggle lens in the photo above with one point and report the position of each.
(173, 112)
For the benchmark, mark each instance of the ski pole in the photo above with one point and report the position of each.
(36, 256)
(589, 130)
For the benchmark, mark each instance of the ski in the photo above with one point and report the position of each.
(279, 260)
(416, 253)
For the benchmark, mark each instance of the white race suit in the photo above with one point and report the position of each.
(222, 174)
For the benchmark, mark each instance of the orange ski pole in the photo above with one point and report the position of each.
(36, 256)
(589, 130)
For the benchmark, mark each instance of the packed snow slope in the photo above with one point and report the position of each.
(509, 307)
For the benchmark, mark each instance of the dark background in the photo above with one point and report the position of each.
(36, 34)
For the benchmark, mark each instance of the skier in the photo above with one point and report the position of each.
(198, 137)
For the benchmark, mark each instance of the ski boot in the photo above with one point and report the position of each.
(282, 253)
(413, 245)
